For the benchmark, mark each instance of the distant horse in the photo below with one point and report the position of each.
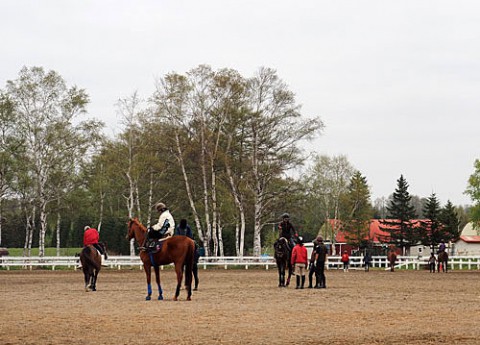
(442, 263)
(178, 250)
(91, 265)
(392, 259)
(282, 257)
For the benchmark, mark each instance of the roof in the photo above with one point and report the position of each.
(469, 239)
(468, 230)
(375, 232)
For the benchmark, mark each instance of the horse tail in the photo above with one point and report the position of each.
(189, 258)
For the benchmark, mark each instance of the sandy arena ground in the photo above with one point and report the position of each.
(241, 307)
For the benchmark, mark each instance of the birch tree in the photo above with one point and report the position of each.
(328, 179)
(8, 145)
(275, 128)
(48, 112)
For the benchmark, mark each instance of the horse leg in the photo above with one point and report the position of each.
(148, 273)
(289, 273)
(94, 280)
(86, 277)
(179, 271)
(157, 279)
(279, 275)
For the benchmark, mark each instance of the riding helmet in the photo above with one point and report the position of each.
(160, 206)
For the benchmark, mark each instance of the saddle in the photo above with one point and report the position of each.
(153, 243)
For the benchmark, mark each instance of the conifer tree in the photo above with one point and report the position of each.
(431, 229)
(450, 222)
(400, 215)
(356, 222)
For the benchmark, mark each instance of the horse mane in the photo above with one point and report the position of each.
(140, 225)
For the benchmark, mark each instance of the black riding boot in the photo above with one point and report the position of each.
(298, 282)
(303, 282)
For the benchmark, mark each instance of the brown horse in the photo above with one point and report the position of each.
(442, 262)
(91, 265)
(178, 250)
(392, 259)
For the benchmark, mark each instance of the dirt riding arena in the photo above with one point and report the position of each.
(241, 307)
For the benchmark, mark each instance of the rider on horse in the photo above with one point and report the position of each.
(165, 226)
(91, 237)
(441, 247)
(286, 230)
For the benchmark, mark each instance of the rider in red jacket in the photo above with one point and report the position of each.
(91, 237)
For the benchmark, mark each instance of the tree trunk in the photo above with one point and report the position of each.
(43, 228)
(59, 221)
(198, 224)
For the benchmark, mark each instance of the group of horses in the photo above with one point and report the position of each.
(179, 250)
(282, 259)
(442, 260)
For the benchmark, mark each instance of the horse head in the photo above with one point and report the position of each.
(135, 229)
(281, 247)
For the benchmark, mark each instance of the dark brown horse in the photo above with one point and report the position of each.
(178, 250)
(91, 265)
(282, 258)
(442, 262)
(392, 259)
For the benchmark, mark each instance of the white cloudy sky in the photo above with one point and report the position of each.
(396, 82)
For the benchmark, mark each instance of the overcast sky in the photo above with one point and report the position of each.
(397, 83)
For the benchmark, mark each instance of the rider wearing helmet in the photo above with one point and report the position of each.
(299, 261)
(166, 225)
(442, 247)
(286, 230)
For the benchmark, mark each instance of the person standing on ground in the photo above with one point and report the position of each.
(320, 260)
(345, 260)
(432, 260)
(299, 261)
(367, 260)
(184, 229)
(311, 266)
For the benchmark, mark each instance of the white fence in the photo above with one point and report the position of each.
(267, 262)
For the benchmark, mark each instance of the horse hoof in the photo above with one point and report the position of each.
(175, 298)
(195, 289)
(148, 298)
(160, 298)
(189, 299)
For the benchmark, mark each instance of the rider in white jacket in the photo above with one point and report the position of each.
(166, 223)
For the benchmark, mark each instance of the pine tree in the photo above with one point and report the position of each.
(431, 229)
(358, 211)
(400, 214)
(450, 221)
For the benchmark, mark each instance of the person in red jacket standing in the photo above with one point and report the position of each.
(91, 237)
(299, 262)
(345, 260)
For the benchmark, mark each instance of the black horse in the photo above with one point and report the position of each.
(282, 257)
(442, 263)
